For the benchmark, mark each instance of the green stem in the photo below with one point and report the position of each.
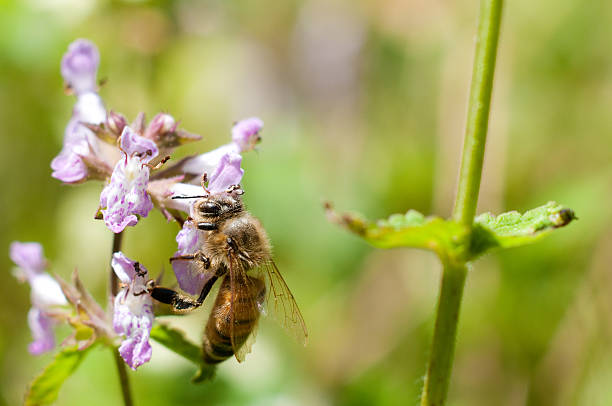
(113, 288)
(113, 283)
(455, 269)
(445, 331)
(123, 378)
(478, 112)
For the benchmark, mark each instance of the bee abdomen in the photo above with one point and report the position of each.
(217, 342)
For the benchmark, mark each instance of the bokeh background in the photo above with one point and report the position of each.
(364, 105)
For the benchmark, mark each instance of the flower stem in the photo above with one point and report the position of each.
(113, 283)
(445, 331)
(455, 269)
(478, 112)
(123, 378)
(113, 288)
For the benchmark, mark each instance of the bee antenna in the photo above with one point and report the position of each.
(187, 197)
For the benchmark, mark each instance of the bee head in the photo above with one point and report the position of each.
(217, 207)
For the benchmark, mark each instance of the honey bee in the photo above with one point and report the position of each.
(236, 248)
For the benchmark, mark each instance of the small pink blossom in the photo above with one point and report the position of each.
(133, 311)
(80, 66)
(126, 197)
(45, 296)
(245, 133)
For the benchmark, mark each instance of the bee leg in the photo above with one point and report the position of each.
(232, 244)
(233, 247)
(182, 302)
(198, 256)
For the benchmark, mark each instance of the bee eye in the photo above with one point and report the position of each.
(210, 208)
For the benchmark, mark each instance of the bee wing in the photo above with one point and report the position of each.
(279, 302)
(246, 296)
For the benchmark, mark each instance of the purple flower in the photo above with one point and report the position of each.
(80, 65)
(245, 133)
(226, 174)
(45, 296)
(133, 311)
(126, 195)
(41, 327)
(79, 141)
(189, 240)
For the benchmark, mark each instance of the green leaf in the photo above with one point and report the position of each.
(448, 238)
(176, 341)
(513, 229)
(45, 387)
(412, 229)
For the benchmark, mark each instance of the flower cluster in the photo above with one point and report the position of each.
(46, 297)
(101, 145)
(130, 159)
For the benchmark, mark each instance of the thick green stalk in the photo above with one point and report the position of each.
(455, 269)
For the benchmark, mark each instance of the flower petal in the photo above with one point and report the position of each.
(28, 256)
(227, 173)
(245, 133)
(69, 167)
(184, 189)
(79, 141)
(134, 144)
(189, 239)
(133, 312)
(41, 327)
(89, 108)
(126, 194)
(189, 278)
(207, 162)
(137, 350)
(123, 267)
(133, 318)
(46, 292)
(80, 65)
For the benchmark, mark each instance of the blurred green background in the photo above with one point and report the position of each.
(364, 104)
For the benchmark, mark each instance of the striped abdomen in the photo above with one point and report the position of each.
(217, 344)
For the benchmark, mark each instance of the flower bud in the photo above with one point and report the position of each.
(162, 123)
(163, 130)
(115, 122)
